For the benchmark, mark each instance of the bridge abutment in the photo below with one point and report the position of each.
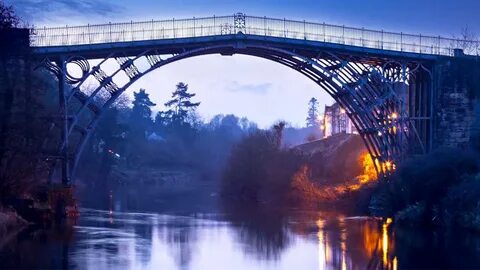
(456, 102)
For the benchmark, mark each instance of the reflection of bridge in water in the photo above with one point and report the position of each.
(386, 82)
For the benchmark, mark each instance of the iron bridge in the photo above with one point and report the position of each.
(382, 80)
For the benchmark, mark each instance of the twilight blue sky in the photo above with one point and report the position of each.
(260, 90)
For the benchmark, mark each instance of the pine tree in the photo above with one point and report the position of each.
(141, 116)
(181, 108)
(312, 118)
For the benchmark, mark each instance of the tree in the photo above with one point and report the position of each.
(181, 109)
(312, 118)
(141, 115)
(467, 41)
(8, 18)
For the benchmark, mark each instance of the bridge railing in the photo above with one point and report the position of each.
(262, 26)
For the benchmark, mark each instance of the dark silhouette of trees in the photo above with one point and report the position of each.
(438, 189)
(181, 108)
(141, 115)
(8, 18)
(180, 121)
(25, 101)
(259, 169)
(312, 117)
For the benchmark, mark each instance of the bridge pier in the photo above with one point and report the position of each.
(420, 107)
(457, 110)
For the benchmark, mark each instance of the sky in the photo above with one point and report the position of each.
(258, 89)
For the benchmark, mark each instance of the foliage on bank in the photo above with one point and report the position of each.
(438, 189)
(259, 169)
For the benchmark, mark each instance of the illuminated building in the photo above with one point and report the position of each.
(336, 120)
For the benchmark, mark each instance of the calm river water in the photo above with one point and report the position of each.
(116, 240)
(145, 229)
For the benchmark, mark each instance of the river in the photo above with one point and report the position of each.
(143, 230)
(125, 240)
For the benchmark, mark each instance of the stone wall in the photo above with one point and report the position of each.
(456, 102)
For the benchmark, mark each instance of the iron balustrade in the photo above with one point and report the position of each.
(262, 26)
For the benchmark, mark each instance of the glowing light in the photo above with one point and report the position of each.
(379, 134)
(342, 110)
(388, 164)
(369, 172)
(343, 245)
(394, 115)
(395, 263)
(321, 245)
(385, 243)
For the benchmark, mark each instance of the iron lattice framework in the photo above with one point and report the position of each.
(365, 88)
(382, 80)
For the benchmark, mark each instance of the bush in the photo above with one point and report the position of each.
(259, 170)
(461, 206)
(438, 189)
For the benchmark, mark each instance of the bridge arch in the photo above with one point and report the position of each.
(363, 88)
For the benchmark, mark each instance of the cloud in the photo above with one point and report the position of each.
(261, 88)
(42, 11)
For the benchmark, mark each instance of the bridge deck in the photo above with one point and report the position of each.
(232, 41)
(120, 35)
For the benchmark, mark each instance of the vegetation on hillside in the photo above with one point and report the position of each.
(438, 189)
(26, 99)
(259, 169)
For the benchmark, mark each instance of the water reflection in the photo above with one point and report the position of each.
(348, 243)
(243, 240)
(264, 235)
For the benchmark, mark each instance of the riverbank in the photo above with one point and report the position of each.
(10, 220)
(440, 189)
(156, 189)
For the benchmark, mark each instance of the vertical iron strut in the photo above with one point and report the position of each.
(62, 104)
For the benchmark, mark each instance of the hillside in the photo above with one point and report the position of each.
(335, 159)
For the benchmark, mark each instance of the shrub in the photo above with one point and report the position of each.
(259, 170)
(438, 188)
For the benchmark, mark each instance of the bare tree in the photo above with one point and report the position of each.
(468, 41)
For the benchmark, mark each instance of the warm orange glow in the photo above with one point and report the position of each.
(388, 221)
(371, 236)
(385, 242)
(394, 116)
(369, 172)
(388, 166)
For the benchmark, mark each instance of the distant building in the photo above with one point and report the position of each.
(335, 120)
(155, 137)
